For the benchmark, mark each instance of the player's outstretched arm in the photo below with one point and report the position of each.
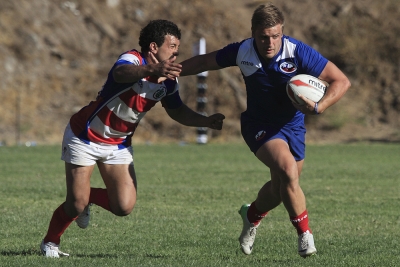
(199, 64)
(128, 73)
(186, 116)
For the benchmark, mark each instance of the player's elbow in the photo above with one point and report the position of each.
(346, 84)
(118, 76)
(343, 84)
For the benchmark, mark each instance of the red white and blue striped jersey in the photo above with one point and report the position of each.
(265, 82)
(113, 117)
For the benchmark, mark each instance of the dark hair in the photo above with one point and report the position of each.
(155, 31)
(266, 16)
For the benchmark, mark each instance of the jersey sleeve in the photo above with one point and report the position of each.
(172, 100)
(312, 62)
(226, 57)
(130, 57)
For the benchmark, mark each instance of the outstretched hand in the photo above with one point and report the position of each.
(216, 121)
(166, 68)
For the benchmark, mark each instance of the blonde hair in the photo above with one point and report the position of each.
(266, 16)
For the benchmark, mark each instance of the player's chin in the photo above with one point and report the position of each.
(270, 54)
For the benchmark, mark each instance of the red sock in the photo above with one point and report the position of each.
(254, 215)
(300, 222)
(99, 196)
(58, 223)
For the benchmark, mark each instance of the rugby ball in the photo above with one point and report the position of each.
(305, 85)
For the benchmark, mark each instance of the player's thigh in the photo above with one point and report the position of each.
(120, 180)
(276, 155)
(78, 187)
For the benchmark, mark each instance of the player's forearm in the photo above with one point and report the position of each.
(335, 91)
(192, 66)
(188, 117)
(200, 64)
(131, 73)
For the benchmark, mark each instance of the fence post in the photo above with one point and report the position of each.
(200, 49)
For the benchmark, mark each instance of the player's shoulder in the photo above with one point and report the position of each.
(297, 48)
(132, 52)
(234, 46)
(290, 42)
(227, 55)
(246, 48)
(132, 56)
(290, 39)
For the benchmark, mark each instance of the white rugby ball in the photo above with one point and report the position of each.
(305, 85)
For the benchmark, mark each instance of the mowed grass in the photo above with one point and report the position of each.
(186, 212)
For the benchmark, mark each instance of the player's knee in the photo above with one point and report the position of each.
(123, 209)
(75, 207)
(122, 212)
(289, 174)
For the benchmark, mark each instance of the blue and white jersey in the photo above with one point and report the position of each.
(267, 100)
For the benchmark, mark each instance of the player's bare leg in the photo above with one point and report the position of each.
(78, 191)
(78, 188)
(269, 196)
(285, 173)
(119, 197)
(120, 180)
(284, 186)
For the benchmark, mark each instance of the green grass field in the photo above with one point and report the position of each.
(186, 213)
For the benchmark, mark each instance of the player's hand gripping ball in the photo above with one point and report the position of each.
(307, 86)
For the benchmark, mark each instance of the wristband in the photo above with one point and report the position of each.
(316, 108)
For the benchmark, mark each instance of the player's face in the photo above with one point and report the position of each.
(169, 48)
(268, 40)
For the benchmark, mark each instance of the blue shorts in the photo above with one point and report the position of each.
(256, 133)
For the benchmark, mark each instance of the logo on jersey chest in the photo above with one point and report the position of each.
(288, 67)
(160, 93)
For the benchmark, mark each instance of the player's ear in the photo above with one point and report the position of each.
(153, 47)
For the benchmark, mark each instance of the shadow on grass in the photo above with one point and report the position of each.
(114, 256)
(26, 252)
(37, 253)
(31, 252)
(156, 256)
(94, 256)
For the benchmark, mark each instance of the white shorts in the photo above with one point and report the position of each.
(77, 152)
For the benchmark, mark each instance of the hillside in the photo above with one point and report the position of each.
(55, 56)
